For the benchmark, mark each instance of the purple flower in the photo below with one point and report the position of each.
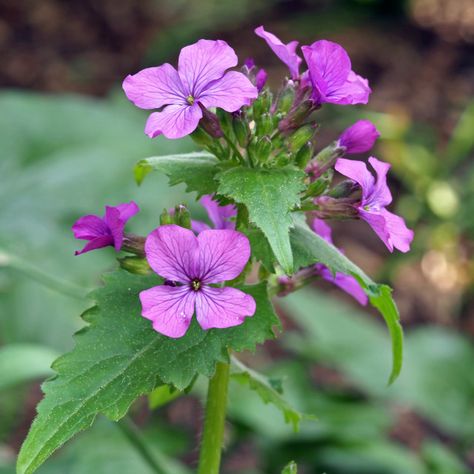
(346, 283)
(375, 197)
(201, 78)
(212, 257)
(285, 52)
(331, 76)
(358, 138)
(104, 231)
(260, 79)
(219, 215)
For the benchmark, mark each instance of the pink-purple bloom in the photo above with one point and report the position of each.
(191, 264)
(376, 195)
(285, 52)
(346, 283)
(332, 77)
(200, 80)
(219, 215)
(359, 137)
(104, 231)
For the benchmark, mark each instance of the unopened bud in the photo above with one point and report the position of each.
(241, 130)
(210, 123)
(320, 185)
(345, 189)
(262, 104)
(300, 137)
(134, 244)
(136, 265)
(201, 137)
(225, 120)
(296, 116)
(332, 208)
(262, 148)
(286, 98)
(324, 160)
(182, 216)
(166, 217)
(264, 125)
(305, 153)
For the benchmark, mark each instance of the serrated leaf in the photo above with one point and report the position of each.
(119, 357)
(267, 391)
(269, 195)
(310, 248)
(196, 170)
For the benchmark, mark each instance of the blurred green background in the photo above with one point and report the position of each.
(69, 140)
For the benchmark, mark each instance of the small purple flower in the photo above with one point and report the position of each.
(331, 76)
(376, 195)
(358, 138)
(212, 257)
(219, 215)
(201, 78)
(104, 231)
(285, 52)
(346, 283)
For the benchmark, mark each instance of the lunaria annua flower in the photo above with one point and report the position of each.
(201, 80)
(376, 195)
(285, 52)
(219, 215)
(190, 264)
(331, 76)
(104, 231)
(358, 138)
(346, 283)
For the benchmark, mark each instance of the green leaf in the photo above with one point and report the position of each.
(310, 248)
(290, 468)
(119, 357)
(21, 363)
(269, 195)
(196, 170)
(269, 391)
(162, 395)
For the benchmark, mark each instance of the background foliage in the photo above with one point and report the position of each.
(65, 155)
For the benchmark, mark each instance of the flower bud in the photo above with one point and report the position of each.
(134, 244)
(300, 137)
(320, 185)
(182, 217)
(136, 265)
(265, 125)
(359, 137)
(262, 104)
(262, 149)
(324, 160)
(260, 79)
(345, 189)
(305, 153)
(210, 123)
(166, 217)
(296, 116)
(333, 208)
(241, 130)
(201, 137)
(286, 98)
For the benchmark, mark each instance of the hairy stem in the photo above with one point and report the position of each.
(214, 421)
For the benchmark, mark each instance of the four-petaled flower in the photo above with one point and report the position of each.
(219, 215)
(346, 283)
(285, 52)
(331, 76)
(214, 256)
(375, 197)
(201, 80)
(104, 231)
(359, 137)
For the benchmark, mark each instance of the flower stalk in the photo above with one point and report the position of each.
(214, 421)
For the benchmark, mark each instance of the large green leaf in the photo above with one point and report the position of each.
(310, 248)
(196, 170)
(269, 195)
(268, 391)
(119, 357)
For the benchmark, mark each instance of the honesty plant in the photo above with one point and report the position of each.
(269, 190)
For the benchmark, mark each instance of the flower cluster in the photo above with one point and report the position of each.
(236, 117)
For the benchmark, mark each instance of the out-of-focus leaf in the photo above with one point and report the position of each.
(290, 468)
(267, 392)
(21, 363)
(162, 395)
(440, 460)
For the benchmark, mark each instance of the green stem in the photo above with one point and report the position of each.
(214, 421)
(234, 148)
(130, 431)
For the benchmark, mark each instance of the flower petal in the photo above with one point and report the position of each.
(346, 283)
(198, 226)
(170, 308)
(222, 255)
(357, 170)
(322, 229)
(172, 252)
(230, 92)
(285, 52)
(89, 227)
(378, 224)
(155, 87)
(128, 210)
(355, 90)
(97, 243)
(204, 62)
(219, 215)
(400, 235)
(116, 225)
(381, 195)
(174, 121)
(223, 307)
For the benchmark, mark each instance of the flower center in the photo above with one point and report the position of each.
(195, 284)
(190, 99)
